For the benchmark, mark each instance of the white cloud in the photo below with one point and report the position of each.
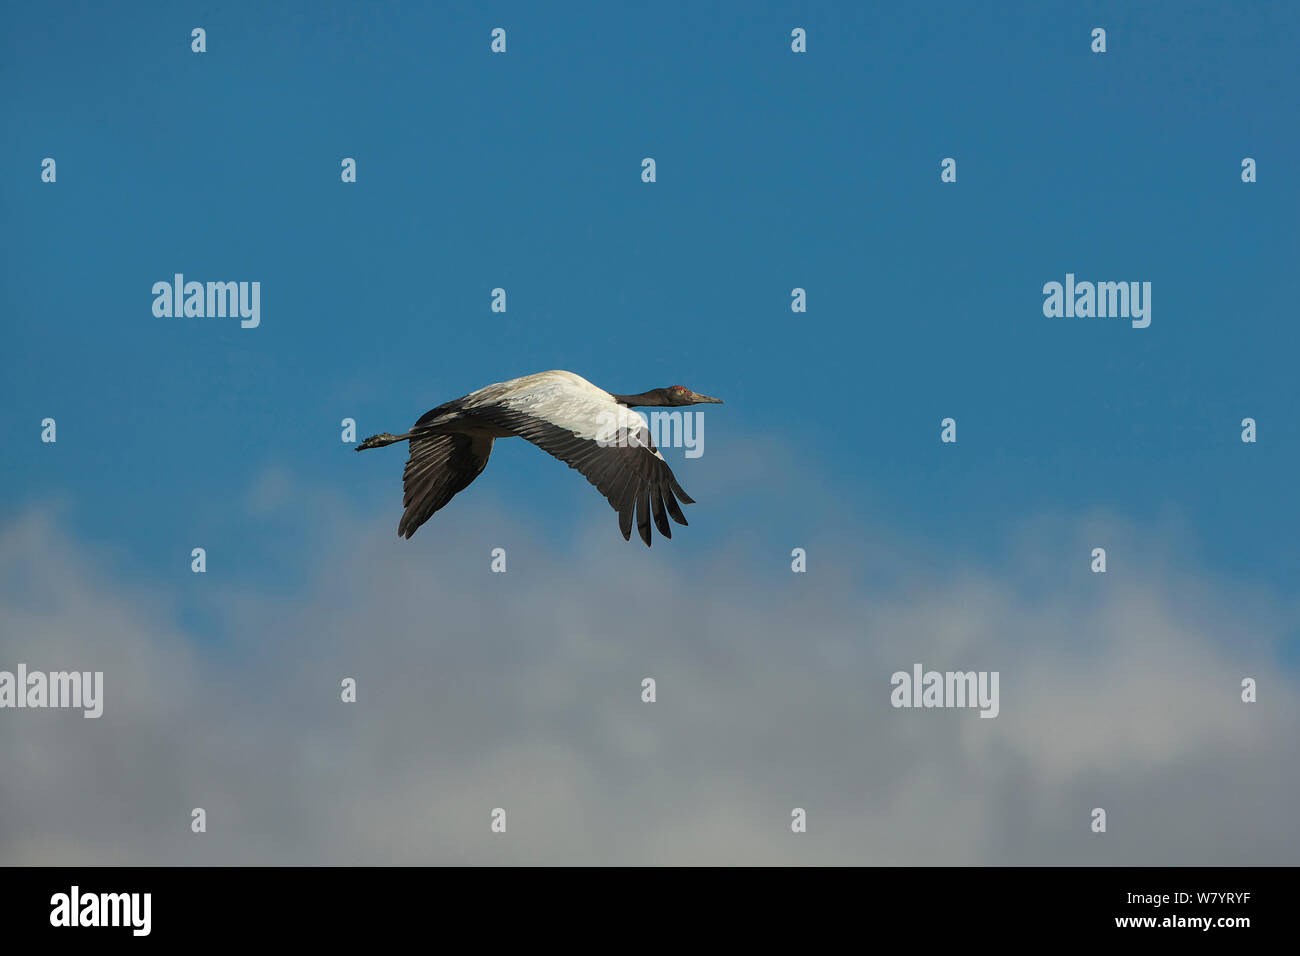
(522, 691)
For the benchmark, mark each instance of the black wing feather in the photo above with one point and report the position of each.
(661, 519)
(440, 466)
(629, 474)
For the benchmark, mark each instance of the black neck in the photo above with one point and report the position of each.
(655, 397)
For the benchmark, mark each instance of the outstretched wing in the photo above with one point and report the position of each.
(584, 427)
(439, 467)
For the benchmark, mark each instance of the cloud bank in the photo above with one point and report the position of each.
(523, 691)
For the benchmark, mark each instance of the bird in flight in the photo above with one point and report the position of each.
(561, 413)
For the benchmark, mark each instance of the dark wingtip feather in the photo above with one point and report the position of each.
(674, 508)
(661, 519)
(643, 515)
(686, 499)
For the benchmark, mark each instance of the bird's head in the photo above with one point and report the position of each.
(677, 395)
(672, 395)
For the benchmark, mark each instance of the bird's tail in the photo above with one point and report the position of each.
(379, 441)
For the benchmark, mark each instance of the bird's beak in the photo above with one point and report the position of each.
(705, 399)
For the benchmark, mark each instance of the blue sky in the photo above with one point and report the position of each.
(775, 170)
